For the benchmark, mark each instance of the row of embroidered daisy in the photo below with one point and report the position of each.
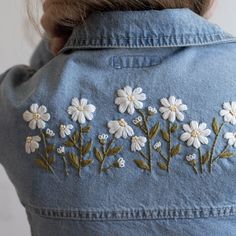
(129, 100)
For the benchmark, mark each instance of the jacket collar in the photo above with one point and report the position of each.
(146, 29)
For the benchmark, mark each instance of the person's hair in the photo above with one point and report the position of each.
(72, 12)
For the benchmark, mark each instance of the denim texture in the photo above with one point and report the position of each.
(166, 53)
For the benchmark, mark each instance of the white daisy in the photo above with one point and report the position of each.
(61, 150)
(36, 116)
(103, 137)
(195, 134)
(121, 162)
(137, 143)
(138, 120)
(129, 99)
(120, 128)
(80, 110)
(65, 130)
(50, 132)
(229, 112)
(191, 157)
(32, 143)
(152, 110)
(231, 138)
(157, 145)
(172, 109)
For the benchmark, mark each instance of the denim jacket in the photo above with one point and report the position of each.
(130, 130)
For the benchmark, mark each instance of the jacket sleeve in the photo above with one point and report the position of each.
(16, 84)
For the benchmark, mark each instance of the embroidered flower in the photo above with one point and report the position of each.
(61, 150)
(80, 110)
(129, 99)
(121, 162)
(172, 109)
(229, 112)
(191, 157)
(120, 128)
(138, 143)
(195, 134)
(65, 130)
(50, 133)
(32, 143)
(231, 138)
(36, 116)
(157, 145)
(152, 110)
(103, 137)
(137, 120)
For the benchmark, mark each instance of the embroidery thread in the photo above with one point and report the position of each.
(37, 118)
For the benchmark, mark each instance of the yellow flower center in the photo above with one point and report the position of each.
(131, 98)
(80, 108)
(135, 139)
(29, 139)
(36, 116)
(173, 108)
(122, 123)
(195, 133)
(63, 127)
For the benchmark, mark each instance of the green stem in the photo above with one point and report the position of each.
(65, 166)
(145, 157)
(81, 149)
(169, 152)
(217, 158)
(145, 120)
(200, 160)
(162, 155)
(105, 151)
(214, 146)
(46, 161)
(44, 142)
(195, 169)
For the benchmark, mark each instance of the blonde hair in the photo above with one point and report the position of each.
(70, 13)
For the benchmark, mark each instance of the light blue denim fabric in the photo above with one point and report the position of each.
(166, 53)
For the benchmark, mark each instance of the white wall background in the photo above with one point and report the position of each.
(17, 41)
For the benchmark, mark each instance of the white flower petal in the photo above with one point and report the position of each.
(34, 108)
(196, 143)
(185, 136)
(75, 102)
(27, 116)
(32, 124)
(42, 109)
(165, 102)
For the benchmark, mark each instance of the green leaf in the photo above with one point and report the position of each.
(141, 164)
(51, 160)
(42, 164)
(162, 165)
(226, 154)
(50, 148)
(86, 129)
(173, 128)
(74, 160)
(154, 131)
(87, 147)
(69, 144)
(98, 154)
(165, 136)
(114, 151)
(76, 136)
(205, 158)
(175, 150)
(215, 126)
(86, 162)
